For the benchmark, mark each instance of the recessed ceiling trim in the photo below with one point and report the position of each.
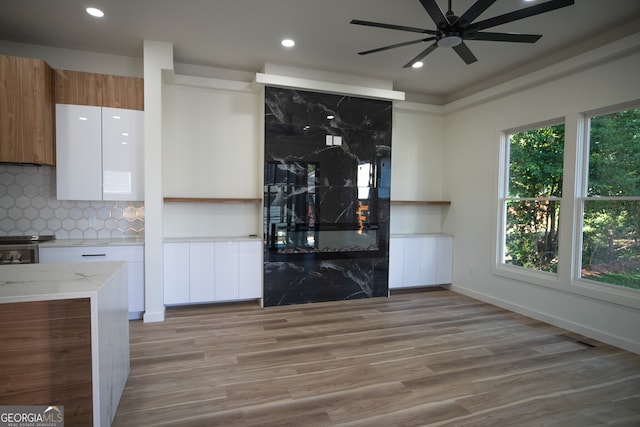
(207, 82)
(328, 87)
(624, 47)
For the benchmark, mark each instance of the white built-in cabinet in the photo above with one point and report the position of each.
(132, 254)
(176, 266)
(99, 153)
(420, 260)
(212, 271)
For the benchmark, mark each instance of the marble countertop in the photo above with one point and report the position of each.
(42, 282)
(64, 243)
(211, 239)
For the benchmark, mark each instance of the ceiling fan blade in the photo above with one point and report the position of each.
(463, 51)
(421, 55)
(436, 13)
(393, 46)
(520, 14)
(393, 27)
(474, 11)
(504, 37)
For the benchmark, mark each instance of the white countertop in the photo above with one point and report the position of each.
(419, 234)
(42, 282)
(211, 239)
(64, 243)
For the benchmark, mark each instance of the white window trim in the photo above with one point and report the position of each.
(498, 267)
(592, 288)
(575, 163)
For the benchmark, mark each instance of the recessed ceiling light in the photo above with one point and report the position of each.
(95, 12)
(288, 43)
(417, 64)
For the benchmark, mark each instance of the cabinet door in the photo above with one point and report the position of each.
(226, 271)
(176, 273)
(26, 111)
(444, 269)
(122, 154)
(428, 260)
(201, 272)
(123, 92)
(79, 152)
(79, 87)
(134, 255)
(396, 261)
(250, 268)
(136, 287)
(412, 262)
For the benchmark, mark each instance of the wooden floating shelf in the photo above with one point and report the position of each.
(210, 200)
(422, 202)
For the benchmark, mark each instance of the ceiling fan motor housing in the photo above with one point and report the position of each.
(449, 39)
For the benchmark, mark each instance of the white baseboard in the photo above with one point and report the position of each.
(153, 317)
(604, 337)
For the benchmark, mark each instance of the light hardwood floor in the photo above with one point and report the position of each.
(424, 358)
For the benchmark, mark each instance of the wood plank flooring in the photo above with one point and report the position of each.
(422, 358)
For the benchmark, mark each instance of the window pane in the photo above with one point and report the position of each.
(532, 199)
(535, 162)
(610, 242)
(531, 236)
(614, 154)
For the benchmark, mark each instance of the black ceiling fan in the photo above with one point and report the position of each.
(453, 30)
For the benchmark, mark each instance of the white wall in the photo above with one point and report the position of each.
(452, 156)
(67, 59)
(210, 142)
(471, 159)
(416, 168)
(158, 58)
(211, 150)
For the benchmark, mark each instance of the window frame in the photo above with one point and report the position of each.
(575, 162)
(602, 290)
(499, 267)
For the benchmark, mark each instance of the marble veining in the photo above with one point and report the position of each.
(326, 196)
(40, 282)
(105, 284)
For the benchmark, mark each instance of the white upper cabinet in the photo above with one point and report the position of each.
(122, 154)
(99, 153)
(79, 152)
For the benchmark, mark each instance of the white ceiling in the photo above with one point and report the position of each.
(245, 34)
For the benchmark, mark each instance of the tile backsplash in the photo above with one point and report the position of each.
(28, 206)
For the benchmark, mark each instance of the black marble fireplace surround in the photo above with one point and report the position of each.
(327, 177)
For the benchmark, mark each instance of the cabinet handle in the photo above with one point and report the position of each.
(94, 254)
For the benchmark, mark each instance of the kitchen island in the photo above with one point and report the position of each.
(65, 335)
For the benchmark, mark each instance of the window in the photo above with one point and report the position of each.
(530, 198)
(610, 250)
